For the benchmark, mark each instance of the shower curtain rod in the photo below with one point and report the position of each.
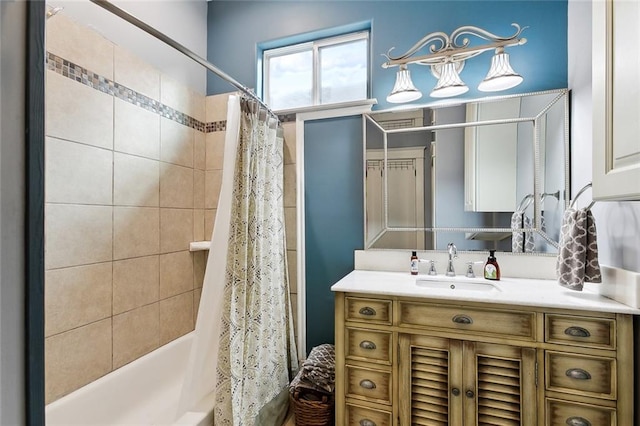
(110, 7)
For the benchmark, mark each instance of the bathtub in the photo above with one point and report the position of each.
(143, 392)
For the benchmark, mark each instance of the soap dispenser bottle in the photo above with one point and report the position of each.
(414, 263)
(491, 268)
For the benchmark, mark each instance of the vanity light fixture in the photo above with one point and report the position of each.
(446, 59)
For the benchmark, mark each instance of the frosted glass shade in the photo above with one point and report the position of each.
(500, 76)
(403, 90)
(449, 83)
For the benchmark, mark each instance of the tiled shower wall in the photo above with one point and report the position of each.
(125, 184)
(133, 172)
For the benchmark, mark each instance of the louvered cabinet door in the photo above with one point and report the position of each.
(499, 385)
(430, 381)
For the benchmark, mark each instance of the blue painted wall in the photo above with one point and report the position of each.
(235, 28)
(334, 215)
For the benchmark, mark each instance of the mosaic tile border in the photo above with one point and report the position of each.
(84, 76)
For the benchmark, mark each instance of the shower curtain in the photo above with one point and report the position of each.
(244, 350)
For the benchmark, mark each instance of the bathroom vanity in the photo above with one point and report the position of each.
(458, 351)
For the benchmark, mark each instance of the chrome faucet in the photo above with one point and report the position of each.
(453, 253)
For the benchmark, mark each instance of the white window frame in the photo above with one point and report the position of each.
(314, 47)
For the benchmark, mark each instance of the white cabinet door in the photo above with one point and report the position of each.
(616, 100)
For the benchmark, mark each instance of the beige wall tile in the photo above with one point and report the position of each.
(215, 150)
(77, 235)
(136, 181)
(290, 185)
(136, 130)
(199, 150)
(77, 173)
(77, 112)
(76, 296)
(135, 333)
(290, 224)
(136, 282)
(135, 232)
(176, 273)
(198, 225)
(198, 189)
(209, 221)
(197, 293)
(76, 357)
(216, 107)
(176, 186)
(289, 142)
(212, 185)
(198, 106)
(292, 264)
(176, 229)
(80, 45)
(176, 143)
(176, 317)
(136, 74)
(199, 265)
(176, 95)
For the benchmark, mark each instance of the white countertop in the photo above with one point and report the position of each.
(512, 291)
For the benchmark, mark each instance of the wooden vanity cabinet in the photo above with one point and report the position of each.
(406, 361)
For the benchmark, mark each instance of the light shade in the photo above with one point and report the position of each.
(403, 90)
(500, 76)
(449, 83)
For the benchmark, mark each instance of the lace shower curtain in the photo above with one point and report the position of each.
(244, 350)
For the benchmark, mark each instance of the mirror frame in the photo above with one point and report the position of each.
(560, 95)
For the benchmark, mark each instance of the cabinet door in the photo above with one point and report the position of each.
(616, 100)
(450, 382)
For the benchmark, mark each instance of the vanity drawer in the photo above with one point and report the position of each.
(504, 323)
(361, 416)
(368, 345)
(563, 413)
(580, 331)
(376, 311)
(367, 384)
(581, 374)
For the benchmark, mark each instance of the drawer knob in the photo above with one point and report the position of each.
(462, 319)
(368, 311)
(367, 384)
(578, 374)
(470, 393)
(366, 344)
(455, 391)
(578, 421)
(576, 331)
(367, 422)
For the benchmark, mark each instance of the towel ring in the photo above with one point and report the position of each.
(584, 188)
(528, 199)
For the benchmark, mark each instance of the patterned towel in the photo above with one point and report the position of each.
(521, 241)
(318, 371)
(578, 252)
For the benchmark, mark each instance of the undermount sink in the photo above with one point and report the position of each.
(456, 283)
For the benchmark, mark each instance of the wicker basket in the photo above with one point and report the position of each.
(311, 408)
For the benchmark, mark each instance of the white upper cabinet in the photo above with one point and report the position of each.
(616, 100)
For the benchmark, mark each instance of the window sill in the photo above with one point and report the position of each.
(329, 107)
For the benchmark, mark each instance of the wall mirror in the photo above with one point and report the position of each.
(483, 174)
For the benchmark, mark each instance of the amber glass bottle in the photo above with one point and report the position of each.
(491, 268)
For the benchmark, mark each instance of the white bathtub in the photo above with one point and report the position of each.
(144, 392)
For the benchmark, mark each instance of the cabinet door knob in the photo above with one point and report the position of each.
(578, 374)
(366, 344)
(576, 331)
(367, 384)
(577, 421)
(367, 422)
(455, 391)
(368, 311)
(470, 393)
(462, 319)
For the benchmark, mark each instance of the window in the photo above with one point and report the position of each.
(324, 71)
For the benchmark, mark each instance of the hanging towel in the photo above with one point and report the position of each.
(521, 241)
(578, 251)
